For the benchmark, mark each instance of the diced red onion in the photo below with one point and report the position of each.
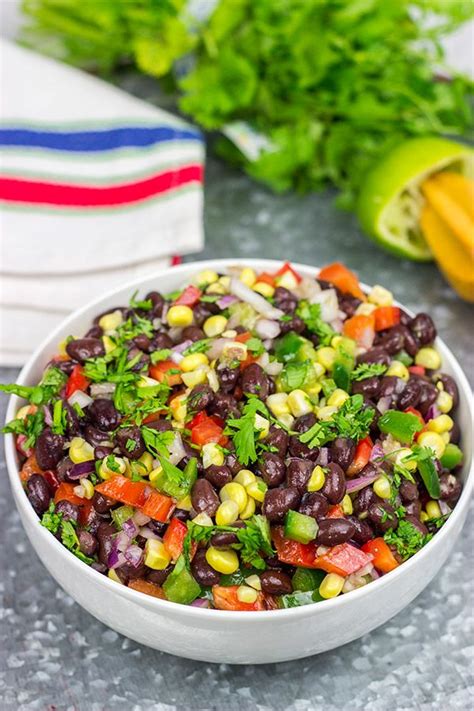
(101, 389)
(323, 456)
(146, 532)
(47, 415)
(377, 452)
(165, 311)
(268, 343)
(80, 398)
(122, 541)
(78, 471)
(156, 323)
(115, 559)
(383, 404)
(361, 482)
(327, 299)
(433, 412)
(266, 328)
(307, 288)
(374, 574)
(217, 346)
(200, 602)
(443, 507)
(336, 325)
(274, 368)
(140, 518)
(400, 385)
(181, 346)
(227, 301)
(176, 449)
(134, 556)
(258, 302)
(175, 334)
(130, 528)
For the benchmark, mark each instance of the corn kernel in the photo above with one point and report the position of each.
(264, 289)
(207, 276)
(213, 380)
(195, 377)
(424, 517)
(247, 276)
(400, 457)
(136, 468)
(156, 555)
(80, 451)
(432, 509)
(254, 582)
(246, 594)
(299, 403)
(216, 288)
(287, 421)
(325, 413)
(336, 341)
(119, 466)
(446, 437)
(234, 492)
(428, 358)
(317, 479)
(62, 347)
(225, 282)
(179, 316)
(257, 489)
(88, 488)
(314, 390)
(249, 510)
(287, 280)
(113, 576)
(365, 309)
(382, 488)
(110, 322)
(398, 370)
(24, 411)
(244, 477)
(326, 356)
(214, 326)
(178, 408)
(109, 344)
(230, 333)
(444, 402)
(185, 503)
(212, 454)
(441, 424)
(155, 475)
(278, 404)
(235, 351)
(203, 519)
(147, 460)
(347, 506)
(380, 296)
(331, 586)
(227, 513)
(434, 441)
(224, 561)
(193, 361)
(337, 398)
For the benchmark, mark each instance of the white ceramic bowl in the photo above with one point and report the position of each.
(232, 637)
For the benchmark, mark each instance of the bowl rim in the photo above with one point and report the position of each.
(196, 613)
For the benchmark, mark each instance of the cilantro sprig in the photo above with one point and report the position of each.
(352, 420)
(243, 432)
(311, 315)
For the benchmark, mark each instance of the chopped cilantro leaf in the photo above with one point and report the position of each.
(198, 347)
(243, 432)
(311, 315)
(31, 426)
(162, 354)
(255, 346)
(145, 305)
(130, 444)
(158, 443)
(59, 418)
(352, 420)
(368, 370)
(406, 539)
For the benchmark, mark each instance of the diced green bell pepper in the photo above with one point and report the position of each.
(122, 514)
(344, 363)
(430, 477)
(296, 376)
(401, 425)
(403, 357)
(452, 456)
(300, 527)
(287, 347)
(305, 579)
(180, 586)
(173, 481)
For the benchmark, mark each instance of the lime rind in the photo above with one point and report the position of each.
(390, 200)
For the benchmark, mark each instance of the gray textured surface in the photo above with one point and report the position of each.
(55, 655)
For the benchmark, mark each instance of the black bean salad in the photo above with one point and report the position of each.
(249, 442)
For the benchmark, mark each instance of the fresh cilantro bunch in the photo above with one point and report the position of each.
(352, 420)
(333, 84)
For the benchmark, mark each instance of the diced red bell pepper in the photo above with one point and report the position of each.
(206, 429)
(383, 558)
(361, 329)
(288, 268)
(51, 479)
(343, 278)
(361, 456)
(76, 381)
(417, 413)
(145, 586)
(137, 494)
(335, 512)
(174, 538)
(386, 317)
(243, 337)
(416, 370)
(293, 552)
(153, 416)
(65, 492)
(86, 512)
(225, 598)
(30, 467)
(266, 278)
(189, 297)
(161, 372)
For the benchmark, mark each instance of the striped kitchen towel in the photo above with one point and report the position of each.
(96, 187)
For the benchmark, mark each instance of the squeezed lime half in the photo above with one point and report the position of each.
(390, 199)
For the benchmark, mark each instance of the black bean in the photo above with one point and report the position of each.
(224, 405)
(278, 439)
(369, 387)
(192, 333)
(315, 505)
(301, 450)
(272, 469)
(388, 385)
(296, 324)
(102, 452)
(410, 395)
(383, 516)
(223, 540)
(392, 340)
(49, 449)
(342, 451)
(455, 434)
(142, 342)
(161, 341)
(69, 511)
(127, 572)
(105, 535)
(278, 501)
(298, 473)
(94, 332)
(83, 348)
(202, 571)
(304, 423)
(408, 491)
(181, 514)
(157, 301)
(103, 414)
(38, 493)
(333, 531)
(202, 311)
(423, 329)
(375, 355)
(219, 476)
(451, 388)
(334, 486)
(87, 543)
(233, 464)
(428, 396)
(204, 498)
(254, 381)
(285, 300)
(416, 523)
(73, 426)
(364, 499)
(63, 469)
(275, 582)
(413, 508)
(160, 425)
(348, 304)
(200, 398)
(94, 436)
(450, 488)
(410, 342)
(130, 442)
(101, 503)
(362, 530)
(159, 576)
